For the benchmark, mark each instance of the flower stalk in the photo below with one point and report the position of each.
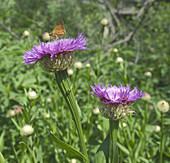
(65, 87)
(113, 150)
(161, 141)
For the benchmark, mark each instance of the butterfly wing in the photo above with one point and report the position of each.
(59, 30)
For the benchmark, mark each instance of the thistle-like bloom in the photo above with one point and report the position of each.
(57, 55)
(116, 100)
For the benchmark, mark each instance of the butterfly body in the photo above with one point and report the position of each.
(59, 30)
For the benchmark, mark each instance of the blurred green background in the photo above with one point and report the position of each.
(135, 30)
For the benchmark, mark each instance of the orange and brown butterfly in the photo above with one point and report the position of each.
(59, 30)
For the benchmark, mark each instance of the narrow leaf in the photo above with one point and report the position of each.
(74, 152)
(1, 158)
(100, 157)
(102, 154)
(122, 148)
(2, 141)
(15, 123)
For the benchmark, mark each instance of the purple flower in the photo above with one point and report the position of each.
(116, 100)
(54, 49)
(116, 94)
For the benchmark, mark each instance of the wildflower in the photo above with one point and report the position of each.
(18, 110)
(163, 106)
(104, 21)
(157, 128)
(56, 55)
(148, 73)
(32, 95)
(96, 111)
(119, 60)
(146, 97)
(12, 113)
(26, 130)
(26, 33)
(46, 36)
(116, 100)
(88, 65)
(78, 65)
(70, 71)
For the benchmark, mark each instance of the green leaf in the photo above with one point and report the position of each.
(125, 150)
(100, 157)
(102, 154)
(1, 158)
(144, 159)
(74, 152)
(2, 141)
(15, 123)
(167, 154)
(39, 154)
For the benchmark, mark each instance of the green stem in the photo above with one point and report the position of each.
(113, 150)
(145, 116)
(65, 87)
(161, 143)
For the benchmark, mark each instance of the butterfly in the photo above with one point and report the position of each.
(59, 30)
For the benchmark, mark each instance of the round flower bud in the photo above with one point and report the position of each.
(18, 110)
(115, 50)
(78, 65)
(119, 60)
(157, 128)
(146, 97)
(32, 95)
(26, 33)
(150, 68)
(91, 73)
(26, 130)
(104, 21)
(88, 65)
(46, 36)
(49, 99)
(96, 111)
(70, 71)
(163, 106)
(47, 115)
(73, 160)
(149, 74)
(124, 124)
(12, 113)
(150, 106)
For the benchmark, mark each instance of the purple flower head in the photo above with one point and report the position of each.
(116, 100)
(115, 94)
(54, 49)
